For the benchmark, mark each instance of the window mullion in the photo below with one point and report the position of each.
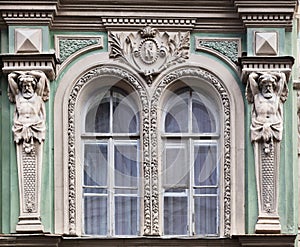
(111, 162)
(191, 190)
(111, 104)
(190, 114)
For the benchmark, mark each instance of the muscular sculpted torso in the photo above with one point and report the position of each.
(27, 90)
(265, 91)
(266, 110)
(29, 110)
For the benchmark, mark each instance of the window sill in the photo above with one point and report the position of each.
(55, 240)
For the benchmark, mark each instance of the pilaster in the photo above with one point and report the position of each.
(267, 91)
(30, 66)
(266, 70)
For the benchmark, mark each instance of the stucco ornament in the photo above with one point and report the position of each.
(29, 90)
(267, 91)
(149, 51)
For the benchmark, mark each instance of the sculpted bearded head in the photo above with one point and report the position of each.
(267, 85)
(27, 84)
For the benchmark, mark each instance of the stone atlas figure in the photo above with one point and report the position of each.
(267, 91)
(29, 90)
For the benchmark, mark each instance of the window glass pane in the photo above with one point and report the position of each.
(111, 166)
(176, 120)
(95, 215)
(206, 190)
(126, 165)
(205, 165)
(126, 191)
(97, 119)
(176, 167)
(95, 164)
(94, 190)
(124, 115)
(126, 215)
(203, 121)
(175, 215)
(206, 220)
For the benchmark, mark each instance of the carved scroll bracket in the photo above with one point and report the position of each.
(267, 91)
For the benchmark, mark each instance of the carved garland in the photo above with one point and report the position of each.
(100, 71)
(194, 72)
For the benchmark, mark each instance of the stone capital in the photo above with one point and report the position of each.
(266, 64)
(45, 62)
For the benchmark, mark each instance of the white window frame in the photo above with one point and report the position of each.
(112, 140)
(188, 141)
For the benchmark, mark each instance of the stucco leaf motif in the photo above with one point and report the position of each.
(148, 51)
(179, 47)
(116, 46)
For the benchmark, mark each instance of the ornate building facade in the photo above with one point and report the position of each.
(153, 123)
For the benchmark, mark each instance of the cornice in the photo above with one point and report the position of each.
(267, 13)
(27, 12)
(124, 15)
(102, 15)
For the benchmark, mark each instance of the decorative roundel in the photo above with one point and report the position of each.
(148, 50)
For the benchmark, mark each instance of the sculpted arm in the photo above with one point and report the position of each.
(13, 88)
(252, 87)
(43, 111)
(282, 87)
(42, 87)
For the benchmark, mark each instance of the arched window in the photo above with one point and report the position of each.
(190, 170)
(111, 167)
(187, 126)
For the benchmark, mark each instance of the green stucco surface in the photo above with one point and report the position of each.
(9, 206)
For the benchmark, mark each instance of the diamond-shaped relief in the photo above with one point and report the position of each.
(28, 40)
(266, 43)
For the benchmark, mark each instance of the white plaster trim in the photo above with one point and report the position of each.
(61, 144)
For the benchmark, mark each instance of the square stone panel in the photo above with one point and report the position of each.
(28, 40)
(266, 43)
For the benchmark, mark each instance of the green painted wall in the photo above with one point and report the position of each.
(9, 206)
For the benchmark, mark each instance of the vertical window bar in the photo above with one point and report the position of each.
(111, 111)
(191, 186)
(111, 187)
(190, 114)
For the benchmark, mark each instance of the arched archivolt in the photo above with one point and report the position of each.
(67, 219)
(155, 104)
(73, 97)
